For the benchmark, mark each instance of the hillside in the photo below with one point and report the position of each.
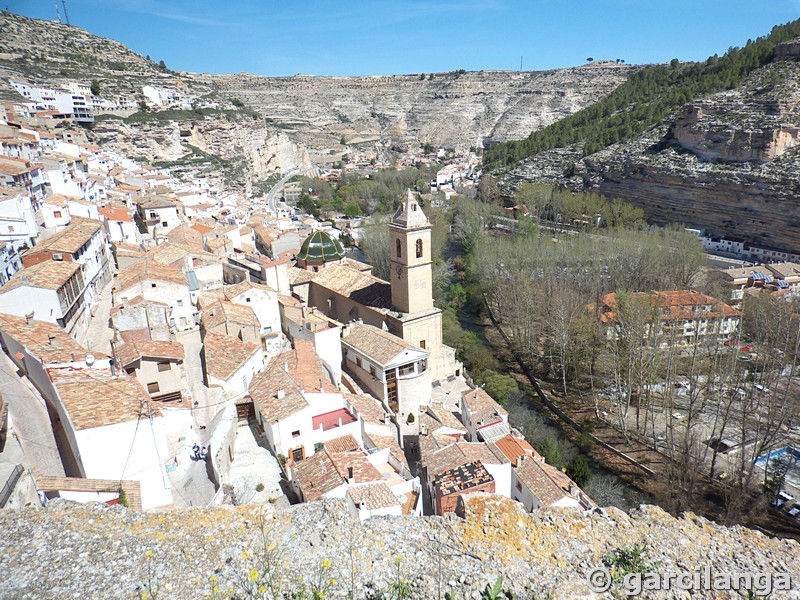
(52, 52)
(92, 550)
(328, 116)
(725, 160)
(452, 109)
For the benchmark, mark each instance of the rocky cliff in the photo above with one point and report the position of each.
(68, 551)
(451, 109)
(727, 162)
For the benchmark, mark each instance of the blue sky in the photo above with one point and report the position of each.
(359, 37)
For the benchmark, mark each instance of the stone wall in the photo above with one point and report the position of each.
(69, 550)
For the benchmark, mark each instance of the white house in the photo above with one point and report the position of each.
(298, 407)
(485, 419)
(53, 291)
(55, 212)
(119, 224)
(537, 484)
(159, 283)
(230, 363)
(159, 214)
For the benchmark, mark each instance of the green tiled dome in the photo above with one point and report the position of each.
(320, 247)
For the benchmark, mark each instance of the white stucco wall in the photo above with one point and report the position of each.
(106, 450)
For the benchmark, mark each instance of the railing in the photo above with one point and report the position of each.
(10, 484)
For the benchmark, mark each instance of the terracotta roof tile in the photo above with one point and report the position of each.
(224, 355)
(148, 270)
(381, 346)
(131, 351)
(46, 341)
(345, 443)
(316, 476)
(374, 495)
(358, 286)
(70, 239)
(93, 398)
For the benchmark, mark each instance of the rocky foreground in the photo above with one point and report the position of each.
(95, 551)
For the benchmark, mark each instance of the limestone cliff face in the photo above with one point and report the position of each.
(727, 162)
(252, 149)
(68, 551)
(453, 110)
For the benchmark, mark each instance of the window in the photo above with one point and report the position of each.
(519, 486)
(318, 447)
(163, 223)
(399, 248)
(298, 454)
(406, 370)
(372, 371)
(57, 214)
(152, 285)
(296, 433)
(152, 388)
(419, 248)
(180, 302)
(10, 229)
(422, 344)
(358, 361)
(164, 365)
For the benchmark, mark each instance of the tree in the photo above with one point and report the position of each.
(162, 65)
(578, 470)
(674, 63)
(375, 246)
(488, 192)
(499, 386)
(590, 59)
(551, 452)
(95, 87)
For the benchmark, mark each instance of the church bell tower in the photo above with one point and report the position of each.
(412, 274)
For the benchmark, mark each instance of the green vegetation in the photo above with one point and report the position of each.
(95, 87)
(359, 194)
(145, 115)
(648, 96)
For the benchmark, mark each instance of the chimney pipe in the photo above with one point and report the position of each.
(29, 317)
(350, 478)
(51, 339)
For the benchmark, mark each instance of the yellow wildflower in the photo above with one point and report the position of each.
(326, 564)
(253, 574)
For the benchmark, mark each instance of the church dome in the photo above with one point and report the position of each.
(321, 247)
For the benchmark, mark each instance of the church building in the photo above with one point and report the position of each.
(345, 290)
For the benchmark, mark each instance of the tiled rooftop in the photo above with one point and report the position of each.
(345, 443)
(70, 239)
(95, 398)
(547, 483)
(148, 270)
(47, 341)
(50, 275)
(224, 355)
(514, 448)
(461, 453)
(374, 496)
(317, 475)
(132, 351)
(379, 345)
(222, 312)
(483, 409)
(361, 287)
(265, 389)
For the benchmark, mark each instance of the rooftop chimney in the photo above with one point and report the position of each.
(281, 394)
(350, 478)
(29, 318)
(518, 462)
(286, 366)
(51, 339)
(25, 280)
(574, 490)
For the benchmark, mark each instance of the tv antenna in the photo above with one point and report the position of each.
(58, 12)
(66, 16)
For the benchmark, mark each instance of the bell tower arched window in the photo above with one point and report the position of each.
(419, 248)
(399, 249)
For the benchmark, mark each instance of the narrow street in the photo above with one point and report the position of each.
(98, 335)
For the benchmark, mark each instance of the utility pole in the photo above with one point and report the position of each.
(58, 12)
(66, 16)
(520, 62)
